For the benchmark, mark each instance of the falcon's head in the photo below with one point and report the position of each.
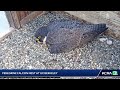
(41, 35)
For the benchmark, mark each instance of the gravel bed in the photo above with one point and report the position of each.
(20, 50)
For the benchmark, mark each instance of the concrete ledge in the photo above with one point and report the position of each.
(9, 33)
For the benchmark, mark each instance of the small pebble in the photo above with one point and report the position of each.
(109, 42)
(103, 39)
(30, 67)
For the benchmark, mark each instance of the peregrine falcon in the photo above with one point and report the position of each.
(66, 37)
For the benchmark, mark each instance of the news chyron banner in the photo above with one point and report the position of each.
(58, 73)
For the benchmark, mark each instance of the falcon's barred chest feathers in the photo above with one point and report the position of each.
(65, 35)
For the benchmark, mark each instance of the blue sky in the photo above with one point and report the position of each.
(4, 25)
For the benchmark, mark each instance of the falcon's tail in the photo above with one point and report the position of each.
(100, 28)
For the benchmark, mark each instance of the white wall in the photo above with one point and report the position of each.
(4, 25)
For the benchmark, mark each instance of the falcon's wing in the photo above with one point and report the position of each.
(63, 40)
(63, 35)
(97, 28)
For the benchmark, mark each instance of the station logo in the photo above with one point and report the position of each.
(109, 73)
